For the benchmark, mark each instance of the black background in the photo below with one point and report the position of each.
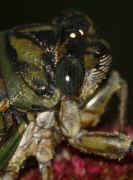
(112, 17)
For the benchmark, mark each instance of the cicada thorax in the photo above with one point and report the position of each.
(26, 73)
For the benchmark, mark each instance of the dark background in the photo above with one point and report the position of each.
(112, 18)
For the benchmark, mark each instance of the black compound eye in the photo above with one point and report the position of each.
(69, 75)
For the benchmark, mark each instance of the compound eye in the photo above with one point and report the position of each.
(69, 75)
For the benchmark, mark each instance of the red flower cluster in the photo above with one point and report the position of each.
(91, 168)
(33, 174)
(69, 164)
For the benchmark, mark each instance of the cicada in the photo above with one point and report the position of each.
(55, 81)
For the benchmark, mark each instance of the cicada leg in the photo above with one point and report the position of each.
(110, 145)
(46, 171)
(36, 141)
(91, 113)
